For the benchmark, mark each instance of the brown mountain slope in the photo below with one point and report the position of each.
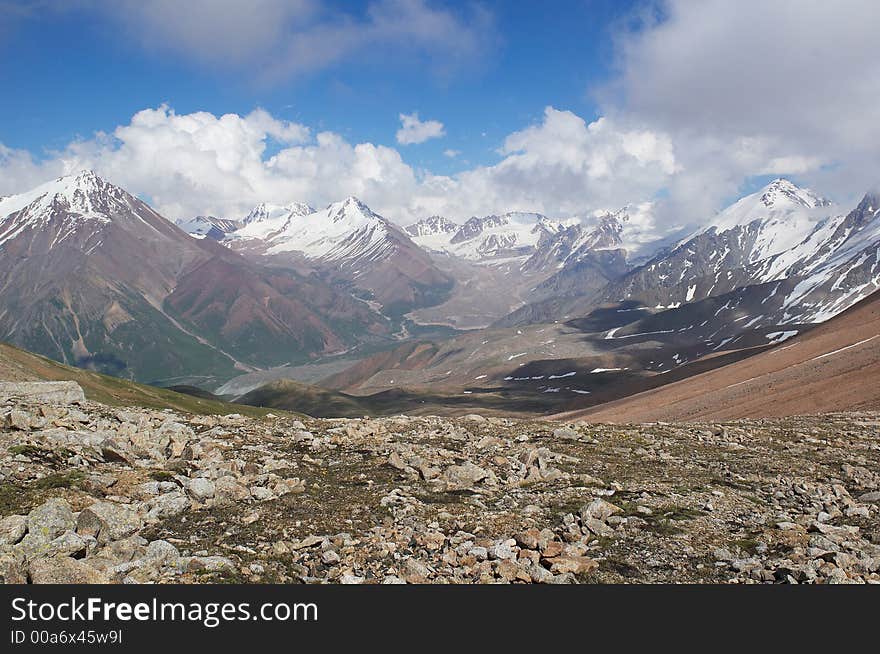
(833, 367)
(92, 276)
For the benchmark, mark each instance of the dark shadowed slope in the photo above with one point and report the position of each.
(834, 367)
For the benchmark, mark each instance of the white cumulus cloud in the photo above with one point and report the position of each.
(754, 87)
(200, 163)
(412, 130)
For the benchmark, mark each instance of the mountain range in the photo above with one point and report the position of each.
(92, 276)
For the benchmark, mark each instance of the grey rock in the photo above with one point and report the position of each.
(416, 570)
(17, 419)
(13, 568)
(599, 509)
(503, 550)
(261, 493)
(566, 433)
(124, 550)
(55, 392)
(330, 557)
(463, 477)
(227, 489)
(210, 564)
(49, 520)
(200, 489)
(479, 553)
(12, 529)
(161, 551)
(65, 570)
(598, 527)
(108, 521)
(167, 505)
(69, 544)
(540, 575)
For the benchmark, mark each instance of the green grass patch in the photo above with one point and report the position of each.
(69, 479)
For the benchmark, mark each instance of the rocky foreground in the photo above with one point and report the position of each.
(93, 493)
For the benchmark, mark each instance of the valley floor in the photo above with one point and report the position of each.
(90, 492)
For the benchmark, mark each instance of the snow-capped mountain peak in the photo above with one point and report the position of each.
(780, 202)
(79, 205)
(431, 226)
(351, 211)
(349, 241)
(772, 220)
(781, 192)
(348, 229)
(83, 194)
(266, 211)
(516, 233)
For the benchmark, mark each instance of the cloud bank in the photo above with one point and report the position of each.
(753, 87)
(188, 164)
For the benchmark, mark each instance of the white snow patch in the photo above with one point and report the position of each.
(779, 337)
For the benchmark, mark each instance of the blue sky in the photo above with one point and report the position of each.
(564, 107)
(75, 72)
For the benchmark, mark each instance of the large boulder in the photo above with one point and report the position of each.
(12, 529)
(227, 490)
(13, 567)
(464, 476)
(64, 570)
(200, 489)
(598, 509)
(55, 392)
(108, 521)
(167, 505)
(49, 520)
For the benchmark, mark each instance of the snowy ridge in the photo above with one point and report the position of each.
(515, 233)
(265, 211)
(811, 261)
(846, 272)
(208, 226)
(431, 226)
(71, 202)
(542, 243)
(433, 233)
(267, 221)
(345, 230)
(780, 216)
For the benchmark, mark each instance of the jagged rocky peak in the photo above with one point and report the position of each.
(208, 226)
(477, 225)
(267, 211)
(870, 203)
(432, 225)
